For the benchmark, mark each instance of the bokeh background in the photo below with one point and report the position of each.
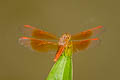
(59, 16)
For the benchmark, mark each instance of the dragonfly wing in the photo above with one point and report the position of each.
(37, 33)
(87, 34)
(38, 45)
(84, 44)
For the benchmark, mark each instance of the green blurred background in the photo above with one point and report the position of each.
(59, 16)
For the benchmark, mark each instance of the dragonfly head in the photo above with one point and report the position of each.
(64, 39)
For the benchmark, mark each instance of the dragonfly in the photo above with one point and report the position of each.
(43, 41)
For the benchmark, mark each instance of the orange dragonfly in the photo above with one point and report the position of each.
(80, 41)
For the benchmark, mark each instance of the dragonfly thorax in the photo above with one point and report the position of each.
(64, 39)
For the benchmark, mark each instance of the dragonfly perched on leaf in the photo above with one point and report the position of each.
(41, 41)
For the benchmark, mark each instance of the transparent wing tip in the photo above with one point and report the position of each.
(24, 41)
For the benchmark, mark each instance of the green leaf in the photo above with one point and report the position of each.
(62, 69)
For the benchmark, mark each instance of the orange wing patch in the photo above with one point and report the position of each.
(38, 45)
(37, 33)
(87, 34)
(84, 44)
